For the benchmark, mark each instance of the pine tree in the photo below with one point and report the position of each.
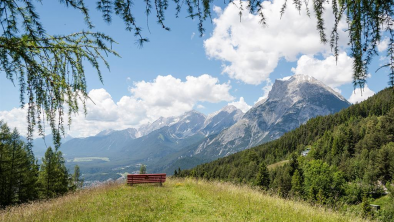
(77, 181)
(18, 169)
(143, 169)
(53, 174)
(385, 162)
(296, 183)
(263, 179)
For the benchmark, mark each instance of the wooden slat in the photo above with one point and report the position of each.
(146, 178)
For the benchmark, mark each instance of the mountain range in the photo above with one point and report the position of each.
(193, 138)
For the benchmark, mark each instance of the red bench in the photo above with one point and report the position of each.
(146, 178)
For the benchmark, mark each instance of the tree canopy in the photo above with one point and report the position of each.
(50, 69)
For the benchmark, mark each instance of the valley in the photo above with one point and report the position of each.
(193, 138)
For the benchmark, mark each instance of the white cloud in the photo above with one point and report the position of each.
(360, 95)
(193, 34)
(200, 106)
(241, 104)
(382, 46)
(328, 71)
(251, 52)
(164, 96)
(15, 118)
(103, 108)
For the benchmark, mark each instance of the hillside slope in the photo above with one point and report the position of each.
(177, 200)
(351, 158)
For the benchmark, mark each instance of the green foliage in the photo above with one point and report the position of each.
(175, 173)
(143, 169)
(23, 180)
(76, 180)
(322, 183)
(262, 178)
(18, 169)
(366, 207)
(49, 68)
(53, 175)
(297, 184)
(351, 153)
(385, 162)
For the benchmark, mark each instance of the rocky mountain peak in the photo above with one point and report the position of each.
(292, 85)
(291, 102)
(105, 132)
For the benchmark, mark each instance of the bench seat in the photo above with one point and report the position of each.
(146, 178)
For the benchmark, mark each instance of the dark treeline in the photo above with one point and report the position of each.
(351, 159)
(22, 179)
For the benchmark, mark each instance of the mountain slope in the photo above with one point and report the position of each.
(290, 103)
(40, 145)
(222, 119)
(103, 144)
(167, 139)
(350, 152)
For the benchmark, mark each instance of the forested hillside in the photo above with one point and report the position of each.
(351, 159)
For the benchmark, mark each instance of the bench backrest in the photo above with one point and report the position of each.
(146, 178)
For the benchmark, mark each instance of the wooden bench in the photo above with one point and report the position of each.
(146, 178)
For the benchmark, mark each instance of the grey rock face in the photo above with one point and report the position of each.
(188, 124)
(158, 124)
(223, 119)
(290, 103)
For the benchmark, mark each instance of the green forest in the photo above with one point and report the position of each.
(22, 179)
(350, 161)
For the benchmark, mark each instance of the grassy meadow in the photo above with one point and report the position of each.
(176, 200)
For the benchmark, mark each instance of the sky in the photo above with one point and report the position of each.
(235, 62)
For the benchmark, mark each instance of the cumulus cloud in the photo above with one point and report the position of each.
(241, 104)
(164, 96)
(329, 71)
(383, 45)
(16, 117)
(360, 95)
(250, 52)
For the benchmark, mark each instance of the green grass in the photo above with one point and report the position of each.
(176, 200)
(382, 201)
(278, 164)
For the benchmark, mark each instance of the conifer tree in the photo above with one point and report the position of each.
(263, 179)
(385, 162)
(18, 169)
(296, 183)
(53, 175)
(143, 169)
(76, 180)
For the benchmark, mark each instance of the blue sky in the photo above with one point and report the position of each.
(232, 60)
